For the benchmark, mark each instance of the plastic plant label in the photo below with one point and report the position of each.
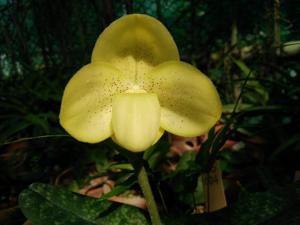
(214, 195)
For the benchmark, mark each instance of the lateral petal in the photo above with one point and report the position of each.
(190, 102)
(87, 102)
(135, 44)
(136, 120)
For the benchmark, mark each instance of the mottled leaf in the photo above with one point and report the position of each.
(258, 208)
(48, 205)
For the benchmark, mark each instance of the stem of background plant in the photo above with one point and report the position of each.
(145, 186)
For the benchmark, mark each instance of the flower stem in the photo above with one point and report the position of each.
(137, 161)
(145, 186)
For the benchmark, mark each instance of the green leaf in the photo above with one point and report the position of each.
(124, 215)
(220, 139)
(48, 205)
(249, 108)
(37, 120)
(257, 208)
(8, 129)
(242, 66)
(121, 166)
(255, 92)
(155, 155)
(186, 162)
(203, 155)
(120, 188)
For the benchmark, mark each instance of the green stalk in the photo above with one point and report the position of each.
(146, 189)
(137, 161)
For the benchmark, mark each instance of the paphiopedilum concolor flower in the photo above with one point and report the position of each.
(135, 88)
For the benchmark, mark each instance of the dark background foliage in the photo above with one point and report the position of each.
(43, 43)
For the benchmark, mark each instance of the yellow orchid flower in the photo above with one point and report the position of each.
(135, 88)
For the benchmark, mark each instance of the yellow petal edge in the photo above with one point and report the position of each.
(135, 44)
(86, 106)
(189, 100)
